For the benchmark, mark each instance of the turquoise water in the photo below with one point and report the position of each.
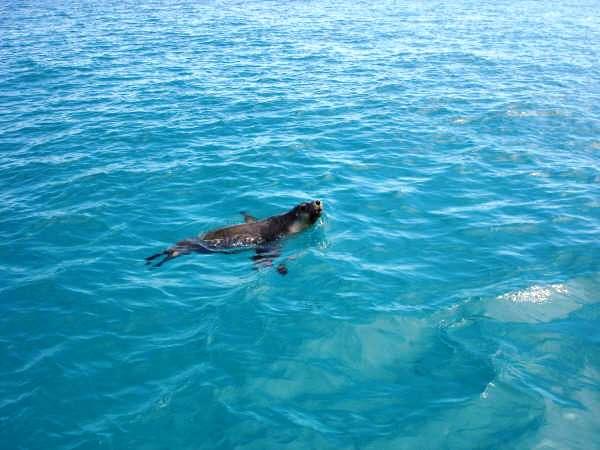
(449, 298)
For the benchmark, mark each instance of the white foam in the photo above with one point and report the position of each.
(535, 293)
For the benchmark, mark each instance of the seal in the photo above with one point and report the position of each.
(261, 235)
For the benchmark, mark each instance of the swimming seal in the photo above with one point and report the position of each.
(260, 235)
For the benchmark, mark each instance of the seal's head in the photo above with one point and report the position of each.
(305, 214)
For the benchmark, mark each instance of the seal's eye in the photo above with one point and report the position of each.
(303, 207)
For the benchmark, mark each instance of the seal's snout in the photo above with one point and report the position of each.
(316, 210)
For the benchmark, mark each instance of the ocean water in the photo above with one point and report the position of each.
(449, 297)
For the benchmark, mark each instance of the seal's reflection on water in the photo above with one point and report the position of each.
(261, 235)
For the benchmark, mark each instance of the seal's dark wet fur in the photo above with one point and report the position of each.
(258, 234)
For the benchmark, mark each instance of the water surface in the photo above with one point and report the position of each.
(448, 299)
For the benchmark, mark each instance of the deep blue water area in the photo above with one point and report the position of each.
(448, 298)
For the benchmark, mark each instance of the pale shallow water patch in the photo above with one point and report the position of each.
(542, 303)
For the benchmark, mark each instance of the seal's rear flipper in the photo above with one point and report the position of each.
(156, 255)
(169, 254)
(181, 248)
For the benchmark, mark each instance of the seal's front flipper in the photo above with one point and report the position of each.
(264, 258)
(248, 218)
(266, 252)
(265, 255)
